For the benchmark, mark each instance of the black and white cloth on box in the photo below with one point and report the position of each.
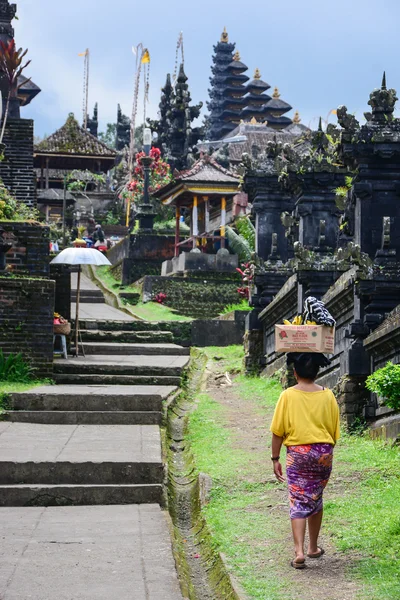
(315, 311)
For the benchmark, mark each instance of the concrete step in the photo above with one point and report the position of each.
(37, 454)
(129, 337)
(79, 495)
(90, 300)
(79, 472)
(89, 417)
(97, 398)
(135, 349)
(124, 325)
(125, 365)
(88, 379)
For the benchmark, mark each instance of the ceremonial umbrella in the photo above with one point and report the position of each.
(79, 256)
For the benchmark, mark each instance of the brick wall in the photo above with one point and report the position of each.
(30, 252)
(26, 321)
(16, 170)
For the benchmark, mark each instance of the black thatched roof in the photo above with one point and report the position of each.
(72, 139)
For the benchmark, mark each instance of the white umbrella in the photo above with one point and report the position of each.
(79, 256)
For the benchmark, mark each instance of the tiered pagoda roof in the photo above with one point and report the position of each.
(256, 99)
(233, 98)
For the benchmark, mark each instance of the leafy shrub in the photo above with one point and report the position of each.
(386, 383)
(12, 210)
(14, 368)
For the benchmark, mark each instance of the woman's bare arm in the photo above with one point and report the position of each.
(276, 448)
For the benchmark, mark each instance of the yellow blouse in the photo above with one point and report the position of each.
(306, 417)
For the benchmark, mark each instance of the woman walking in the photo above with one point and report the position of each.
(306, 421)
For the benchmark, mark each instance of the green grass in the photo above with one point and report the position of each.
(362, 513)
(238, 525)
(365, 519)
(152, 311)
(228, 358)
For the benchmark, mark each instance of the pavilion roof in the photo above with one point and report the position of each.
(71, 138)
(205, 176)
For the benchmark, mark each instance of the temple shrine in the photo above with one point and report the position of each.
(233, 100)
(70, 148)
(205, 194)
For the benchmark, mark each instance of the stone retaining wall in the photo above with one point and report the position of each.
(192, 297)
(26, 321)
(29, 254)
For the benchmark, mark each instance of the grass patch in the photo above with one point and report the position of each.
(152, 311)
(366, 518)
(237, 524)
(228, 358)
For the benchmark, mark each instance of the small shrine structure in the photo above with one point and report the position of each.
(206, 195)
(70, 148)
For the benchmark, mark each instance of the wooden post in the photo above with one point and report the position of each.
(195, 223)
(223, 221)
(78, 293)
(42, 175)
(47, 173)
(177, 227)
(206, 214)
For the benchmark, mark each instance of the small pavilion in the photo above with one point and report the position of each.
(207, 192)
(70, 148)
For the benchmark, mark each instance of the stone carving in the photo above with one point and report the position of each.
(321, 236)
(386, 233)
(348, 122)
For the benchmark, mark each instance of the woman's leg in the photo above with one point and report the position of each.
(314, 525)
(299, 531)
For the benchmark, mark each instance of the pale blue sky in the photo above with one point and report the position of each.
(320, 54)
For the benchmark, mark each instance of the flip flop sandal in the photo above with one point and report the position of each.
(298, 565)
(318, 555)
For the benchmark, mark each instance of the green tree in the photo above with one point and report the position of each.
(109, 135)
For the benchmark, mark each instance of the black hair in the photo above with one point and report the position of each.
(307, 364)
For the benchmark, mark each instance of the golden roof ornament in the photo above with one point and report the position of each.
(225, 36)
(276, 93)
(253, 121)
(236, 56)
(296, 118)
(257, 74)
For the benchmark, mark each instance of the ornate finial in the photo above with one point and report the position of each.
(236, 56)
(253, 121)
(382, 102)
(320, 124)
(257, 74)
(224, 36)
(296, 118)
(276, 93)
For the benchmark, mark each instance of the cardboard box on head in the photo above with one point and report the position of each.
(305, 338)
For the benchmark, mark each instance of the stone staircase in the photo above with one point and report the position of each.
(93, 438)
(88, 297)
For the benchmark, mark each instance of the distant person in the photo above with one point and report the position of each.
(98, 236)
(306, 421)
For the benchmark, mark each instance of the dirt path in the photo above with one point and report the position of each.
(248, 423)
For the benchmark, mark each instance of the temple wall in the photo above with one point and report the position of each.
(26, 321)
(16, 170)
(30, 247)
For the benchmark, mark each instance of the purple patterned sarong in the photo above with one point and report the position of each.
(308, 469)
